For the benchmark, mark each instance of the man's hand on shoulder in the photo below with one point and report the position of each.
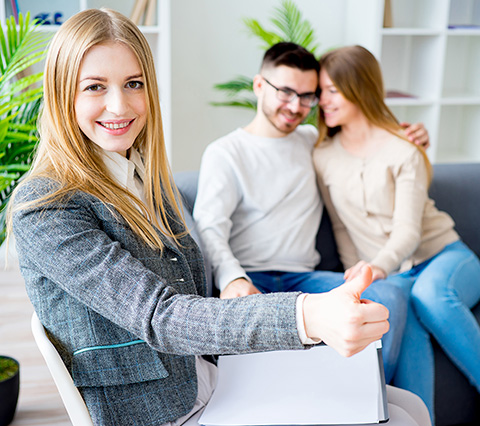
(417, 133)
(238, 288)
(343, 320)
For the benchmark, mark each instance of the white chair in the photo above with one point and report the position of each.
(73, 401)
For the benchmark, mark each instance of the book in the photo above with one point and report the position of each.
(387, 15)
(463, 27)
(150, 13)
(399, 94)
(138, 11)
(306, 387)
(15, 9)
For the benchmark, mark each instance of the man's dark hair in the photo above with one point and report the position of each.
(291, 55)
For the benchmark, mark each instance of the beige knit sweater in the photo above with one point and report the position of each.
(379, 205)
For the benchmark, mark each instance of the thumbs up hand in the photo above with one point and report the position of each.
(344, 321)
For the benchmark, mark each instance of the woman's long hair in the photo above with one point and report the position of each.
(356, 74)
(67, 156)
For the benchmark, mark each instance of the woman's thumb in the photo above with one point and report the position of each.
(358, 285)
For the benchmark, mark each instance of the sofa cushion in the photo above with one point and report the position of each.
(327, 247)
(456, 190)
(187, 183)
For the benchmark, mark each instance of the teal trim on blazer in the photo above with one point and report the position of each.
(120, 345)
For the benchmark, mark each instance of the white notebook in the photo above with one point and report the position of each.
(306, 387)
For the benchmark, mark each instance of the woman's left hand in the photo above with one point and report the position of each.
(378, 273)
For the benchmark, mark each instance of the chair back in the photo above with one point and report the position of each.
(72, 400)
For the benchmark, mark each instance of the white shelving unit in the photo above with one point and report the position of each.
(432, 53)
(158, 36)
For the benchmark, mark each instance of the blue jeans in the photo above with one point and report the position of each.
(443, 290)
(389, 293)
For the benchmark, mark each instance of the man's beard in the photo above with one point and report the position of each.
(288, 127)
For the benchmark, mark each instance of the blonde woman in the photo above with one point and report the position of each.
(109, 266)
(374, 183)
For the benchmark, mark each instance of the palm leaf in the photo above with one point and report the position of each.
(236, 86)
(21, 46)
(269, 38)
(289, 21)
(28, 114)
(22, 137)
(232, 89)
(22, 83)
(240, 103)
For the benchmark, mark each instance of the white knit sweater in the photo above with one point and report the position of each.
(258, 206)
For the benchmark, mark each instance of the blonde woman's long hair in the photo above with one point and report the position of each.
(66, 155)
(356, 74)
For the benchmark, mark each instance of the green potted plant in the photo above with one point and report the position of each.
(288, 25)
(21, 46)
(9, 388)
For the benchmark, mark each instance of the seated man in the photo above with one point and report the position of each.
(258, 207)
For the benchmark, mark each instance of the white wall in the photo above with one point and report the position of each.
(210, 44)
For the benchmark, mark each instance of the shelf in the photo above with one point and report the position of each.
(464, 99)
(49, 8)
(464, 32)
(411, 31)
(408, 101)
(458, 133)
(415, 113)
(46, 9)
(406, 58)
(462, 61)
(424, 15)
(464, 13)
(438, 66)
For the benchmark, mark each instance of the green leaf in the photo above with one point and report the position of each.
(21, 46)
(21, 137)
(3, 52)
(6, 180)
(236, 86)
(289, 21)
(4, 128)
(269, 38)
(20, 100)
(14, 168)
(22, 83)
(241, 103)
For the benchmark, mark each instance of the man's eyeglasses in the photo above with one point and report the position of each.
(286, 94)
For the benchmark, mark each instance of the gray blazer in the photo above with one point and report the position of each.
(127, 319)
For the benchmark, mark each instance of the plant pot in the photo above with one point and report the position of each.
(9, 388)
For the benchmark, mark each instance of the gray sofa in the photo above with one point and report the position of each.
(456, 190)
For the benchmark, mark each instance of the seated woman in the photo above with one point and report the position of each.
(109, 265)
(375, 186)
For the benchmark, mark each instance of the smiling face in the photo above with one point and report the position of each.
(337, 110)
(282, 118)
(110, 101)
